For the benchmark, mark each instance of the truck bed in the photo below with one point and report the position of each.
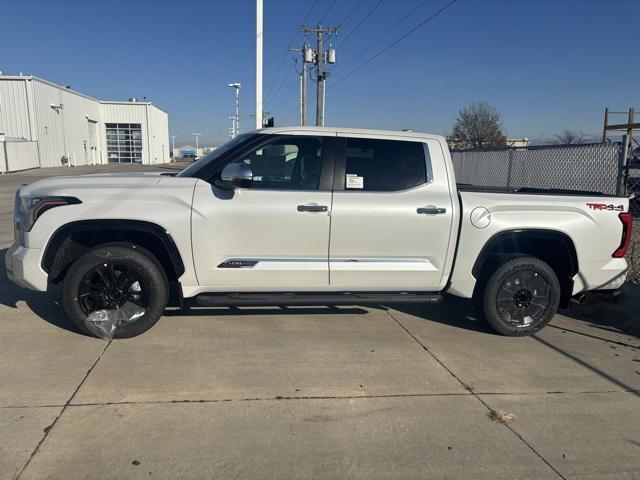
(467, 187)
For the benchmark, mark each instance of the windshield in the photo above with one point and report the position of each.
(211, 157)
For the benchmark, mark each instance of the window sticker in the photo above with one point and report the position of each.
(354, 181)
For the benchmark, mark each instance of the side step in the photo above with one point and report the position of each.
(312, 298)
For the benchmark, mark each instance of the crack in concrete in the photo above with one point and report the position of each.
(474, 394)
(596, 337)
(48, 429)
(316, 397)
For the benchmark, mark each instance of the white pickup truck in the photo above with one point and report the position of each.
(309, 215)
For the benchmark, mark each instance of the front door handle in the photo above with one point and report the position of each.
(312, 208)
(431, 210)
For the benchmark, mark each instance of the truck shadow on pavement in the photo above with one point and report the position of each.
(279, 310)
(44, 304)
(454, 311)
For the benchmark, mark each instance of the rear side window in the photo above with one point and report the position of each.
(384, 165)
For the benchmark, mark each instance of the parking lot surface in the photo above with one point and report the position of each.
(313, 392)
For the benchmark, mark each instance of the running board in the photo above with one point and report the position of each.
(306, 298)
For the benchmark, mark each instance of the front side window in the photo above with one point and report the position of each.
(384, 165)
(288, 163)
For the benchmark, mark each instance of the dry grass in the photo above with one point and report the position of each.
(501, 417)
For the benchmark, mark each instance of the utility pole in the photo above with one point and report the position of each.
(307, 57)
(320, 81)
(321, 58)
(303, 94)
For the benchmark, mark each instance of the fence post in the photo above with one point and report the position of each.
(510, 167)
(622, 166)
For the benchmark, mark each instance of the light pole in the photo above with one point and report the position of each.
(237, 88)
(173, 145)
(196, 135)
(232, 130)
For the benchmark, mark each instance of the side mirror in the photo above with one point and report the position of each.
(236, 175)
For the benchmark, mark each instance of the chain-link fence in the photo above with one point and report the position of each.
(631, 178)
(597, 167)
(591, 167)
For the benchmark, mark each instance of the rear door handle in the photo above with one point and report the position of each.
(432, 210)
(312, 208)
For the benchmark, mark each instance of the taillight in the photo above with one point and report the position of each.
(627, 224)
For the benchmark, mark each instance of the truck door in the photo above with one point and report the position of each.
(273, 235)
(392, 215)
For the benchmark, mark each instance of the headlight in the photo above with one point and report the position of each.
(31, 208)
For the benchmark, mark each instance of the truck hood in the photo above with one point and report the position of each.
(79, 183)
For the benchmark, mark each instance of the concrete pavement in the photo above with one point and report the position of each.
(315, 392)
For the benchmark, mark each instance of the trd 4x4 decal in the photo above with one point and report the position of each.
(604, 206)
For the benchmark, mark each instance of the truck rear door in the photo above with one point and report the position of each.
(392, 215)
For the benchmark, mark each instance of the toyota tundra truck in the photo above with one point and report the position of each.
(314, 216)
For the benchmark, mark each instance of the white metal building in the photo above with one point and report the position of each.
(47, 125)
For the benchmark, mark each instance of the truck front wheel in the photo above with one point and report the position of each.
(115, 291)
(521, 296)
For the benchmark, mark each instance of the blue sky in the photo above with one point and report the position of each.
(546, 65)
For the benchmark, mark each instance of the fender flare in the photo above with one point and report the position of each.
(114, 225)
(514, 237)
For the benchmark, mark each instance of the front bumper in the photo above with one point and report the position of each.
(23, 267)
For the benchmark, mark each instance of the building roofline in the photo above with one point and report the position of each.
(63, 88)
(121, 102)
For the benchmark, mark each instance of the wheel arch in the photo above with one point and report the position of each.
(73, 239)
(551, 246)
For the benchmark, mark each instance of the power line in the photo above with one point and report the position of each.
(284, 57)
(386, 33)
(325, 13)
(411, 12)
(286, 97)
(367, 62)
(284, 79)
(348, 15)
(294, 110)
(355, 29)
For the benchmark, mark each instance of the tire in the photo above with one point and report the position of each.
(521, 296)
(117, 278)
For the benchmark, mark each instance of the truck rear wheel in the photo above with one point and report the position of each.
(521, 296)
(115, 291)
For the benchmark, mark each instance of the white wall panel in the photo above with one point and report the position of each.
(49, 124)
(21, 155)
(14, 109)
(78, 111)
(158, 135)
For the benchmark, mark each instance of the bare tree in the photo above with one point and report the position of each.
(570, 137)
(478, 125)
